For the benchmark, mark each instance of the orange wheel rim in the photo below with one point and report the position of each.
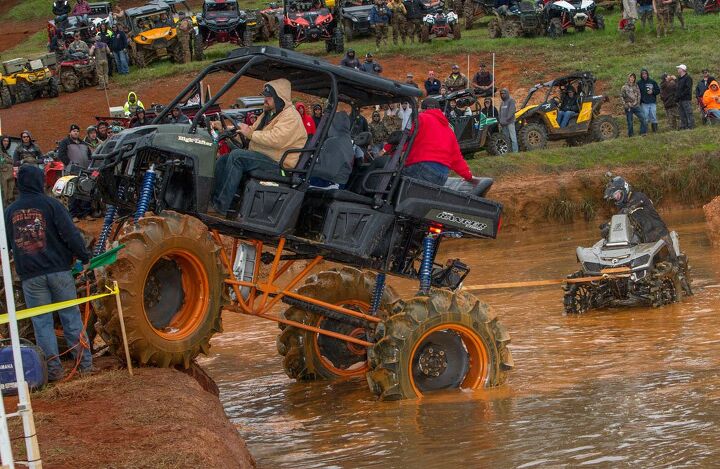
(178, 323)
(355, 350)
(478, 355)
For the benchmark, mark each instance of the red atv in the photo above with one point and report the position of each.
(311, 21)
(77, 71)
(702, 7)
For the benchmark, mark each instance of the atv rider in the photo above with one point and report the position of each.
(278, 129)
(639, 208)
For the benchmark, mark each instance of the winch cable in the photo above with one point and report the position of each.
(615, 272)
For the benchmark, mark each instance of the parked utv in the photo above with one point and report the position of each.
(519, 19)
(311, 21)
(440, 24)
(223, 21)
(537, 117)
(355, 17)
(151, 37)
(182, 264)
(269, 21)
(476, 132)
(25, 80)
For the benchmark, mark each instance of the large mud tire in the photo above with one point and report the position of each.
(494, 29)
(287, 41)
(5, 97)
(308, 355)
(497, 144)
(456, 31)
(453, 335)
(511, 28)
(140, 59)
(23, 92)
(53, 89)
(532, 136)
(604, 128)
(171, 287)
(578, 296)
(555, 29)
(70, 81)
(198, 48)
(247, 38)
(176, 54)
(348, 30)
(469, 12)
(458, 7)
(425, 33)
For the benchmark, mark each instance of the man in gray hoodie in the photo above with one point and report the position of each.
(507, 118)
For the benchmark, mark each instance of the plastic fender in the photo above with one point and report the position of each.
(552, 118)
(585, 112)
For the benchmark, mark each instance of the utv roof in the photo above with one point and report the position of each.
(310, 75)
(566, 79)
(146, 9)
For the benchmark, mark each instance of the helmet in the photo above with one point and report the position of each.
(618, 190)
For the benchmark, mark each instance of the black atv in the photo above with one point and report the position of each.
(311, 21)
(223, 21)
(183, 264)
(475, 132)
(355, 14)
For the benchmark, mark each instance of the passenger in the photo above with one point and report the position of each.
(78, 45)
(463, 107)
(435, 150)
(139, 120)
(488, 109)
(569, 107)
(651, 228)
(308, 122)
(177, 116)
(278, 129)
(335, 160)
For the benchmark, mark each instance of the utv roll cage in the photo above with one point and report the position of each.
(586, 88)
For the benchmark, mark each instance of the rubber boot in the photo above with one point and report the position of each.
(654, 127)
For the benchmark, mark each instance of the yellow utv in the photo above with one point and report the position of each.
(537, 121)
(23, 80)
(152, 34)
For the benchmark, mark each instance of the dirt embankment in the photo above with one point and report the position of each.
(712, 216)
(157, 418)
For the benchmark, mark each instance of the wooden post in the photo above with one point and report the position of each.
(122, 327)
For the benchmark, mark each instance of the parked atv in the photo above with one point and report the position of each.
(24, 80)
(77, 71)
(269, 21)
(223, 21)
(355, 17)
(562, 15)
(183, 264)
(311, 21)
(440, 24)
(619, 270)
(519, 19)
(702, 7)
(474, 133)
(536, 121)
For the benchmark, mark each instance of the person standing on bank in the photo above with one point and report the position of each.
(506, 119)
(44, 241)
(649, 90)
(683, 95)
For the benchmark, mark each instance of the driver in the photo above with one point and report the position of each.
(278, 129)
(641, 211)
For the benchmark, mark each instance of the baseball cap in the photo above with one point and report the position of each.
(74, 127)
(682, 66)
(409, 75)
(369, 54)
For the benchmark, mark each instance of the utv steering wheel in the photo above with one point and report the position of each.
(232, 134)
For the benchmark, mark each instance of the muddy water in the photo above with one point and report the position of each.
(634, 387)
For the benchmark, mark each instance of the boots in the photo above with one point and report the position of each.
(654, 127)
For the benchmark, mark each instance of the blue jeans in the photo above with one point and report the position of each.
(434, 173)
(121, 62)
(229, 172)
(637, 111)
(52, 288)
(650, 112)
(509, 133)
(564, 117)
(714, 112)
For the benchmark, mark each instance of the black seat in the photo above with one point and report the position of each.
(479, 190)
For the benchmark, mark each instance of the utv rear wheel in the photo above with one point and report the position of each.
(53, 89)
(497, 144)
(308, 355)
(425, 33)
(604, 128)
(171, 287)
(447, 340)
(533, 136)
(23, 92)
(287, 41)
(5, 97)
(494, 30)
(338, 41)
(140, 59)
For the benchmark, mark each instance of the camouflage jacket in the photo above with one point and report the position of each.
(457, 82)
(379, 132)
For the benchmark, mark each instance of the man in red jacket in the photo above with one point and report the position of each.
(435, 150)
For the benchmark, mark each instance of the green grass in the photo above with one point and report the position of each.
(27, 10)
(32, 47)
(659, 149)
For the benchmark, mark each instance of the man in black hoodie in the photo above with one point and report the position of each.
(649, 90)
(350, 60)
(683, 94)
(44, 241)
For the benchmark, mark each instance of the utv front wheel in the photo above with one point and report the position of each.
(533, 136)
(171, 288)
(309, 355)
(447, 340)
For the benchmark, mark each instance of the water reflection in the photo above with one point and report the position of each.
(620, 387)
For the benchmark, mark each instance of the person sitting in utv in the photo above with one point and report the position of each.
(638, 206)
(279, 128)
(177, 116)
(435, 150)
(569, 107)
(335, 160)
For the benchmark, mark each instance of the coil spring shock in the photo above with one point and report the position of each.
(427, 263)
(110, 215)
(377, 293)
(146, 192)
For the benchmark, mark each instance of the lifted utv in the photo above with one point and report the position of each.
(311, 21)
(537, 118)
(182, 264)
(223, 21)
(151, 38)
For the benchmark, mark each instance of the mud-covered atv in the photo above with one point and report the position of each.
(536, 121)
(561, 15)
(182, 264)
(519, 19)
(77, 71)
(619, 270)
(23, 80)
(440, 24)
(222, 21)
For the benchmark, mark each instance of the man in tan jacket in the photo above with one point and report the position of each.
(278, 129)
